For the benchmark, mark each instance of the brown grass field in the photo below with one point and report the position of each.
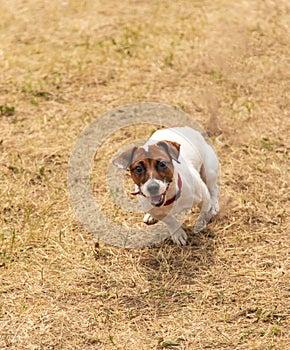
(64, 64)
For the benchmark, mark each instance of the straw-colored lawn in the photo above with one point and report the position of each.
(62, 65)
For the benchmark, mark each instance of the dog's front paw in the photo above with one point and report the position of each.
(179, 237)
(149, 220)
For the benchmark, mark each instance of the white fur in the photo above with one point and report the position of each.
(149, 220)
(195, 153)
(162, 187)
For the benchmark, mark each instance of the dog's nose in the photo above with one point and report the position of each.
(153, 188)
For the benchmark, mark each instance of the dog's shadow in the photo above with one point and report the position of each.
(168, 274)
(193, 260)
(184, 262)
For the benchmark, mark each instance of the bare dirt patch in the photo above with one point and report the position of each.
(62, 64)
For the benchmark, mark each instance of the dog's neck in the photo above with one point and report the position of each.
(177, 194)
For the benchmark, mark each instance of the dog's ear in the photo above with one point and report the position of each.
(125, 159)
(171, 147)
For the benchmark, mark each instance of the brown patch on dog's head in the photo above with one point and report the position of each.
(155, 163)
(171, 147)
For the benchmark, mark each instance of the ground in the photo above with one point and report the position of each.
(64, 64)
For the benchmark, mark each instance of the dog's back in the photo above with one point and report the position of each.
(194, 149)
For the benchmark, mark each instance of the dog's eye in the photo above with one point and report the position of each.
(138, 169)
(162, 165)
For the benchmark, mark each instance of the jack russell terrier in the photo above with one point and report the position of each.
(175, 170)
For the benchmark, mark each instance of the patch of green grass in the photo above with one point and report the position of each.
(216, 75)
(43, 94)
(7, 111)
(267, 144)
(164, 344)
(249, 106)
(14, 169)
(168, 61)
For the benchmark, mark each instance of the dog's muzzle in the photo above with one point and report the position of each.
(159, 199)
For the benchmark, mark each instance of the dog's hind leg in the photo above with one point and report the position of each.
(202, 220)
(206, 211)
(213, 189)
(210, 175)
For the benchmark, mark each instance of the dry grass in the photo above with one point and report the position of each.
(64, 64)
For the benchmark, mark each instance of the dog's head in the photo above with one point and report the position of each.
(152, 170)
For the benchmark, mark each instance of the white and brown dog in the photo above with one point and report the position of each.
(175, 170)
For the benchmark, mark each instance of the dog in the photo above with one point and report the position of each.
(174, 171)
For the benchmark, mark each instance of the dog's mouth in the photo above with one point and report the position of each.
(157, 201)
